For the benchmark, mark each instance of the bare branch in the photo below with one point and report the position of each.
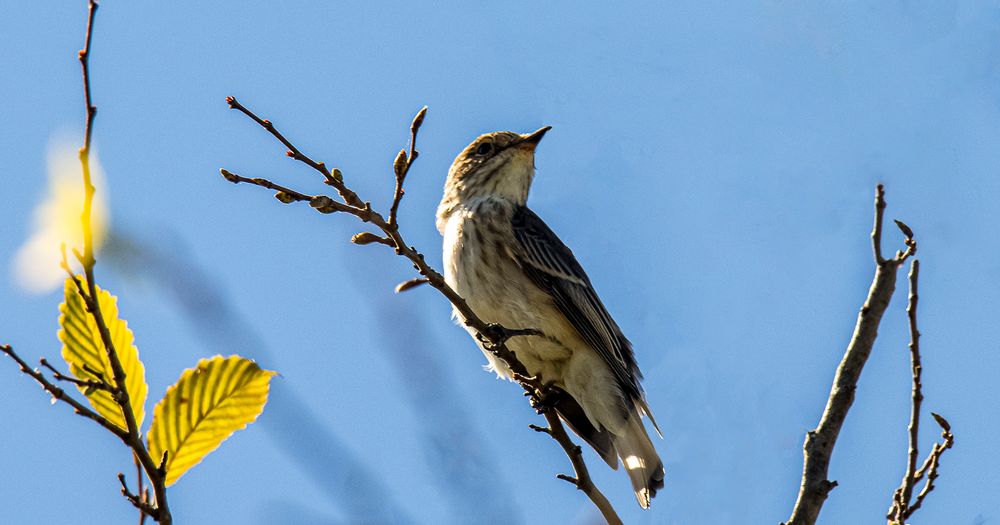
(901, 498)
(137, 501)
(932, 464)
(493, 337)
(88, 384)
(877, 228)
(819, 443)
(402, 166)
(582, 481)
(902, 507)
(331, 178)
(142, 492)
(59, 394)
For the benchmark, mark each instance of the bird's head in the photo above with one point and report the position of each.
(499, 164)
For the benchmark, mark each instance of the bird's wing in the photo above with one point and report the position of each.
(552, 266)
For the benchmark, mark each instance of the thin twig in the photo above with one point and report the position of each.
(137, 501)
(901, 497)
(293, 195)
(933, 461)
(142, 492)
(82, 383)
(331, 178)
(410, 284)
(819, 443)
(493, 337)
(64, 264)
(582, 481)
(402, 167)
(61, 395)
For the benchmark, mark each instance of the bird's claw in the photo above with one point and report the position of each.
(544, 398)
(495, 334)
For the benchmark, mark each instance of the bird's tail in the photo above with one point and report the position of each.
(641, 461)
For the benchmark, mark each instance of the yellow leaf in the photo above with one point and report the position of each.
(82, 346)
(206, 405)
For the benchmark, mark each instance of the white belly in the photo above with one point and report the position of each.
(489, 279)
(487, 276)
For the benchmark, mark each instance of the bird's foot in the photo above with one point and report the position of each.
(497, 334)
(545, 397)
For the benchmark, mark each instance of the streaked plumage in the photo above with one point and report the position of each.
(513, 270)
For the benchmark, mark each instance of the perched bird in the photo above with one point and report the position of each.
(514, 271)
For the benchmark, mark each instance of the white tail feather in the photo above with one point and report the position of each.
(642, 463)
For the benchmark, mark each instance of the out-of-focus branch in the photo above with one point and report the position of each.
(819, 443)
(902, 507)
(132, 436)
(492, 336)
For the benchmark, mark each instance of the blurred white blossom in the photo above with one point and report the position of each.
(57, 219)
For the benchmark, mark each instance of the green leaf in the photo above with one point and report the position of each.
(206, 405)
(82, 349)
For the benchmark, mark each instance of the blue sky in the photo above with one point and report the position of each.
(711, 164)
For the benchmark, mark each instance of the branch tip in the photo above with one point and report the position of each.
(230, 176)
(410, 284)
(569, 479)
(418, 120)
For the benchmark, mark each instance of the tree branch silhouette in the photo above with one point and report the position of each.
(492, 336)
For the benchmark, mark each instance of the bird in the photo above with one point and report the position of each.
(514, 271)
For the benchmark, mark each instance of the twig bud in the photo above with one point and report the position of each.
(399, 164)
(231, 177)
(904, 228)
(337, 175)
(411, 284)
(942, 422)
(418, 120)
(323, 204)
(284, 197)
(364, 238)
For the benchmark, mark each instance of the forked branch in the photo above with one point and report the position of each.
(819, 443)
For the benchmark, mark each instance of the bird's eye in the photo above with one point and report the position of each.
(484, 149)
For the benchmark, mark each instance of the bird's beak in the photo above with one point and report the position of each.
(534, 138)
